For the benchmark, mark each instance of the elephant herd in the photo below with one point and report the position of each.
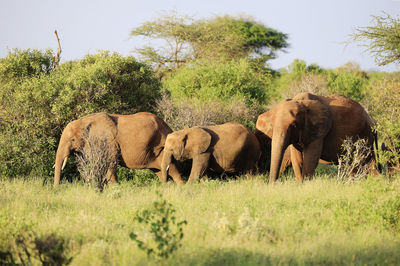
(302, 131)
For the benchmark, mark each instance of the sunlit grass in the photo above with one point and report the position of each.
(321, 221)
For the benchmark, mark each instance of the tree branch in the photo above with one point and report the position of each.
(57, 57)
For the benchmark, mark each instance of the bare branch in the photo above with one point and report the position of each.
(57, 57)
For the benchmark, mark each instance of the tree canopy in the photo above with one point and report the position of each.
(383, 39)
(220, 38)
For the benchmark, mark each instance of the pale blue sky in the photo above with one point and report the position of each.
(316, 28)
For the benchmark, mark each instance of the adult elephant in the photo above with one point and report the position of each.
(313, 127)
(230, 147)
(138, 140)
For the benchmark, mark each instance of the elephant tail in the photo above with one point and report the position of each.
(376, 153)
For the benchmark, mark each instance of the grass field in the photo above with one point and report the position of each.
(238, 222)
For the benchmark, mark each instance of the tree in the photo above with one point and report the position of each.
(221, 38)
(383, 39)
(171, 28)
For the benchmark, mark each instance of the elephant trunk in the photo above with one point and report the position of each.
(61, 159)
(280, 141)
(167, 157)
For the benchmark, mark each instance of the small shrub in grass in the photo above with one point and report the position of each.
(352, 163)
(23, 246)
(247, 227)
(162, 233)
(95, 160)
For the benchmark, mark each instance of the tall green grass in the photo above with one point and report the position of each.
(237, 222)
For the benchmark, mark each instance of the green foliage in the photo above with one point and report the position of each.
(347, 80)
(383, 39)
(226, 38)
(300, 77)
(37, 105)
(222, 82)
(165, 232)
(21, 245)
(21, 64)
(139, 177)
(384, 102)
(221, 38)
(391, 213)
(215, 93)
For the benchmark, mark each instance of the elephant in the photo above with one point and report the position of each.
(138, 140)
(265, 142)
(230, 148)
(313, 128)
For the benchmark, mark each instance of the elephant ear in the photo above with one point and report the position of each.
(197, 141)
(318, 120)
(265, 122)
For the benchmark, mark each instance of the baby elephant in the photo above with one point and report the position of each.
(230, 147)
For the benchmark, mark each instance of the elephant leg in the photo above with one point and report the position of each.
(311, 155)
(158, 173)
(286, 161)
(111, 176)
(174, 173)
(297, 163)
(199, 165)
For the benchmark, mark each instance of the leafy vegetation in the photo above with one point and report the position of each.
(165, 232)
(218, 39)
(383, 39)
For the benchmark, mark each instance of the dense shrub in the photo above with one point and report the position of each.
(37, 102)
(20, 244)
(235, 80)
(384, 105)
(300, 77)
(347, 80)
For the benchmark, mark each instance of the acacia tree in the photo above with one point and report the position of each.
(173, 30)
(383, 39)
(221, 38)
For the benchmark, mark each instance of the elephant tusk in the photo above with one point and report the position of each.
(64, 163)
(167, 168)
(54, 165)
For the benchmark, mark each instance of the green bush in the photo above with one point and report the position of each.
(163, 233)
(240, 80)
(300, 77)
(21, 245)
(384, 105)
(349, 81)
(37, 101)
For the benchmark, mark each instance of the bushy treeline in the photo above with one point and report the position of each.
(37, 99)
